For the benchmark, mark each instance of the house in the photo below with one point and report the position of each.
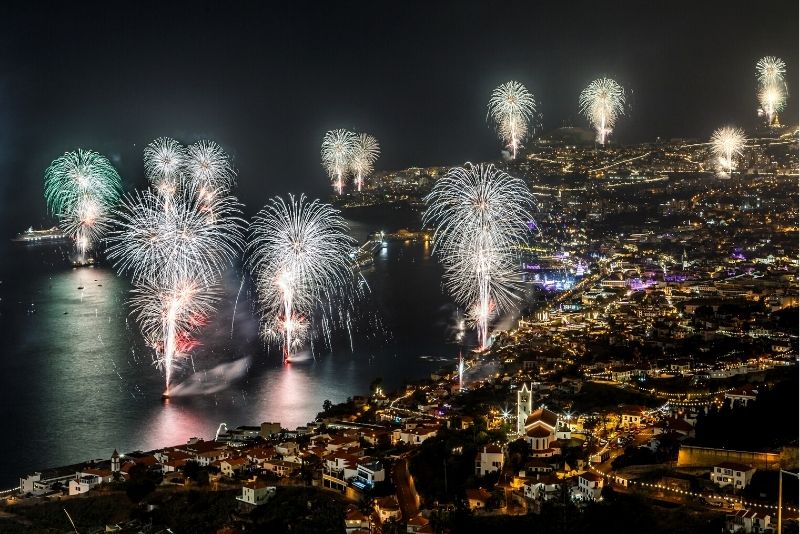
(742, 395)
(88, 478)
(590, 486)
(232, 466)
(287, 448)
(674, 425)
(540, 432)
(543, 487)
(747, 521)
(631, 416)
(368, 473)
(256, 492)
(281, 468)
(43, 481)
(414, 434)
(732, 474)
(387, 508)
(489, 460)
(354, 520)
(477, 498)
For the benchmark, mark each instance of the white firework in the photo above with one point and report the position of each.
(365, 152)
(164, 164)
(772, 91)
(727, 143)
(337, 153)
(770, 70)
(512, 107)
(210, 168)
(175, 247)
(299, 254)
(602, 102)
(479, 214)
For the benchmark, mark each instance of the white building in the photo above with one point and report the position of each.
(540, 432)
(590, 486)
(256, 492)
(748, 521)
(489, 460)
(89, 478)
(524, 407)
(732, 474)
(368, 473)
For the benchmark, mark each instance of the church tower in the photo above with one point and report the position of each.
(524, 407)
(115, 462)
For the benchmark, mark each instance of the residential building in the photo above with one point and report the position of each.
(748, 521)
(489, 460)
(590, 486)
(477, 498)
(256, 492)
(732, 474)
(387, 508)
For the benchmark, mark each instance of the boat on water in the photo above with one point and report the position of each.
(36, 237)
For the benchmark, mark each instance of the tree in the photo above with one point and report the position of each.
(518, 453)
(140, 484)
(327, 405)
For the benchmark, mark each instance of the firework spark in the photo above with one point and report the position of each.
(164, 164)
(175, 248)
(365, 152)
(299, 254)
(80, 188)
(479, 215)
(337, 153)
(210, 168)
(727, 143)
(512, 106)
(770, 72)
(602, 102)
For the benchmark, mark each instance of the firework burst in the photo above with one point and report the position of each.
(365, 152)
(770, 72)
(512, 107)
(727, 143)
(175, 248)
(479, 215)
(81, 187)
(602, 102)
(299, 254)
(337, 153)
(164, 164)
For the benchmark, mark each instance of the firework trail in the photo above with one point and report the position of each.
(365, 152)
(175, 247)
(512, 106)
(772, 91)
(602, 102)
(727, 143)
(81, 187)
(479, 215)
(337, 153)
(300, 256)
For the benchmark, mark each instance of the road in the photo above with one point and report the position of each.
(406, 492)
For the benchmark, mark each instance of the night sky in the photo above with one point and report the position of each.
(267, 82)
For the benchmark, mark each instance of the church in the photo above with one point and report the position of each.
(537, 427)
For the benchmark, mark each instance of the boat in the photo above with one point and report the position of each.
(35, 237)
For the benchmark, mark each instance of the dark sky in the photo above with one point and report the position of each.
(266, 81)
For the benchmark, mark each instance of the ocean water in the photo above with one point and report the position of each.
(77, 380)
